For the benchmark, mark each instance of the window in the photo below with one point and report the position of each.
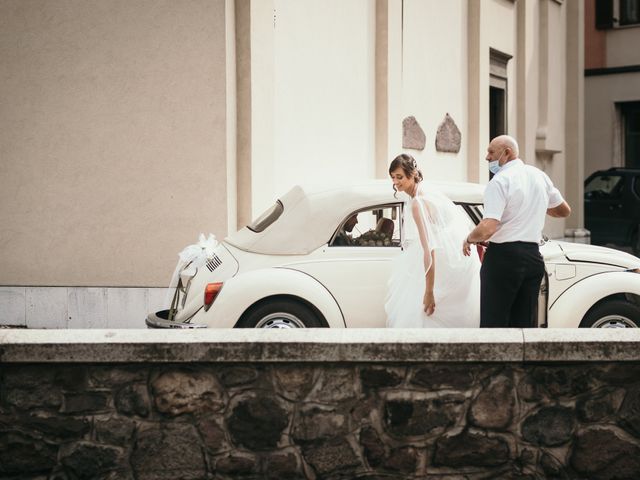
(631, 134)
(617, 13)
(629, 13)
(604, 186)
(498, 93)
(374, 227)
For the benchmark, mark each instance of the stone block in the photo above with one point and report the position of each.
(237, 464)
(282, 466)
(493, 407)
(212, 432)
(403, 460)
(168, 451)
(295, 383)
(330, 457)
(88, 461)
(596, 407)
(257, 423)
(237, 376)
(115, 430)
(549, 426)
(335, 385)
(437, 377)
(51, 428)
(86, 402)
(372, 446)
(413, 136)
(133, 399)
(602, 454)
(419, 417)
(178, 392)
(448, 137)
(470, 450)
(629, 415)
(377, 377)
(22, 455)
(314, 423)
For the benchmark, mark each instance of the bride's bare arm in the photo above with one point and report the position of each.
(429, 258)
(422, 232)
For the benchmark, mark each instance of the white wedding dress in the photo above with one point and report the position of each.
(457, 277)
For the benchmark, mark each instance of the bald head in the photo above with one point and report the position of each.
(503, 142)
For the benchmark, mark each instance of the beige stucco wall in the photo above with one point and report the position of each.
(112, 135)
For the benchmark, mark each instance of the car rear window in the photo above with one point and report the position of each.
(267, 218)
(604, 186)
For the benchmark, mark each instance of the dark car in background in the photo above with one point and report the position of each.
(612, 207)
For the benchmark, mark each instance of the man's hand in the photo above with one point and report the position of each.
(466, 247)
(429, 302)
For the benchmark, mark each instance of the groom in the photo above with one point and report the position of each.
(515, 202)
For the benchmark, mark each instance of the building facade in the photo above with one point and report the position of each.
(612, 84)
(128, 128)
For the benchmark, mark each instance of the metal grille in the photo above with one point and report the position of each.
(213, 263)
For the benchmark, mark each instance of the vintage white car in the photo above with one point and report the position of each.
(298, 266)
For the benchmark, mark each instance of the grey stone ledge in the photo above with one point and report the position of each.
(318, 345)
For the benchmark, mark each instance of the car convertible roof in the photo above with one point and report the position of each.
(312, 214)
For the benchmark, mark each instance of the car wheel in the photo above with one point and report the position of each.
(280, 314)
(612, 314)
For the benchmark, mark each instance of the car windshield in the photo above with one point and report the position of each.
(267, 218)
(603, 186)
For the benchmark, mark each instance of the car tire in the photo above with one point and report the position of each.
(612, 314)
(280, 314)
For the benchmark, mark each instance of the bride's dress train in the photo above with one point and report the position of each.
(457, 278)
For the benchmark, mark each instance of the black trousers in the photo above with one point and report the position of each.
(509, 285)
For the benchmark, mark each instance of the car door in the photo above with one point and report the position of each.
(355, 265)
(605, 215)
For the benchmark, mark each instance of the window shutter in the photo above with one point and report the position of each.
(604, 14)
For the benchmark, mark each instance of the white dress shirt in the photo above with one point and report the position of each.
(518, 197)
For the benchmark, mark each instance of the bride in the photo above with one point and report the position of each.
(432, 284)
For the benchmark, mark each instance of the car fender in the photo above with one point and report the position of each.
(245, 289)
(570, 307)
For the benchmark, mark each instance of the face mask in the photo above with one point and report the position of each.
(494, 166)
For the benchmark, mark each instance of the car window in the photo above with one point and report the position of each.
(604, 186)
(267, 218)
(373, 227)
(472, 212)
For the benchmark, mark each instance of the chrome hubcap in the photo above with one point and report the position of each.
(280, 320)
(614, 321)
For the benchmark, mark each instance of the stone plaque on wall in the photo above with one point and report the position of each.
(448, 136)
(412, 134)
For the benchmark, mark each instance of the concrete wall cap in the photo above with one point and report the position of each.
(318, 345)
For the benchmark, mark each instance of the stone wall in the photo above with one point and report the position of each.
(278, 416)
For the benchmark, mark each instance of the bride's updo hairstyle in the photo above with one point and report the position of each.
(408, 165)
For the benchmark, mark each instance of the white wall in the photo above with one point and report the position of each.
(434, 79)
(317, 62)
